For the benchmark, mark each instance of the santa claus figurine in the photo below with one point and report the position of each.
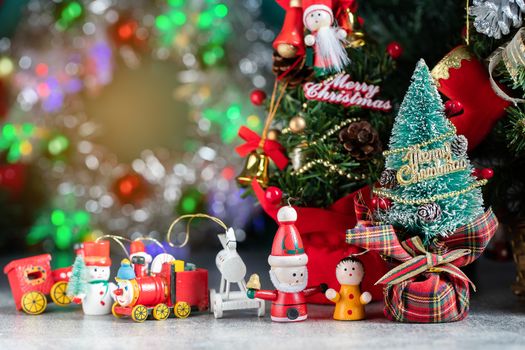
(137, 248)
(325, 37)
(288, 272)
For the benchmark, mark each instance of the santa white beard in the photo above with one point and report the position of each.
(330, 49)
(286, 287)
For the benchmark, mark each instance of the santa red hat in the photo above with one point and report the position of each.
(287, 247)
(137, 248)
(310, 6)
(97, 253)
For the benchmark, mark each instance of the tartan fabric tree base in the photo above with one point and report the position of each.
(427, 298)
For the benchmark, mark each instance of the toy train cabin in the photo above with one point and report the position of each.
(33, 282)
(171, 291)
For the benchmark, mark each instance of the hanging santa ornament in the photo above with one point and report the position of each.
(325, 37)
(289, 43)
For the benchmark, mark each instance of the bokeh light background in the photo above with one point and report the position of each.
(118, 116)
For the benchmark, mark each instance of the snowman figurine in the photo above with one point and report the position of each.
(97, 299)
(325, 37)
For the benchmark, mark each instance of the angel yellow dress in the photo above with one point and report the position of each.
(348, 304)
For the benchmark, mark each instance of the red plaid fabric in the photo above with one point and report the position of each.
(427, 285)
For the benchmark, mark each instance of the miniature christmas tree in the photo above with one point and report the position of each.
(428, 176)
(77, 282)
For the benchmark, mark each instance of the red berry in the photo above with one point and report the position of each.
(257, 97)
(374, 201)
(487, 173)
(394, 50)
(453, 108)
(273, 195)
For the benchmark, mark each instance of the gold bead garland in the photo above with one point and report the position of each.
(330, 131)
(423, 144)
(384, 193)
(331, 167)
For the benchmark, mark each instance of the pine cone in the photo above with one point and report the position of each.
(459, 146)
(295, 76)
(361, 140)
(388, 178)
(429, 212)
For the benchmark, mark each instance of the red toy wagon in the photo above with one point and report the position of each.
(32, 281)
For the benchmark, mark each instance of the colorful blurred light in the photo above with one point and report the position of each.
(6, 66)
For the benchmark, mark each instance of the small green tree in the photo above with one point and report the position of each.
(77, 282)
(428, 176)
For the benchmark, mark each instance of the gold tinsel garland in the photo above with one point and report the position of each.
(384, 193)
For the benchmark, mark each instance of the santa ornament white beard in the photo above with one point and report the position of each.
(286, 287)
(330, 50)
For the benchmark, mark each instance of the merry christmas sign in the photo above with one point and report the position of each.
(423, 165)
(341, 89)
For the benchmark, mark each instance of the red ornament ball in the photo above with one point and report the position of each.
(453, 108)
(274, 195)
(487, 173)
(394, 50)
(130, 188)
(13, 179)
(257, 97)
(476, 173)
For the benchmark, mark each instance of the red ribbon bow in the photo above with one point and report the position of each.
(272, 149)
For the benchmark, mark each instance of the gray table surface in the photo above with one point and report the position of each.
(497, 320)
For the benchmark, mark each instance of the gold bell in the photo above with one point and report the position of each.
(254, 282)
(256, 167)
(357, 37)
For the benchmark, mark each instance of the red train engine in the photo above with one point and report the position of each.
(32, 282)
(172, 291)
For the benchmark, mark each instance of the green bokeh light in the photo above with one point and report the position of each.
(64, 237)
(234, 112)
(9, 131)
(178, 18)
(221, 10)
(81, 218)
(205, 20)
(58, 217)
(163, 23)
(58, 145)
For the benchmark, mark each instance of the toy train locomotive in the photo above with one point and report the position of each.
(170, 291)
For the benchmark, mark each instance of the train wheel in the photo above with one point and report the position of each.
(161, 312)
(139, 313)
(58, 294)
(182, 309)
(34, 303)
(114, 312)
